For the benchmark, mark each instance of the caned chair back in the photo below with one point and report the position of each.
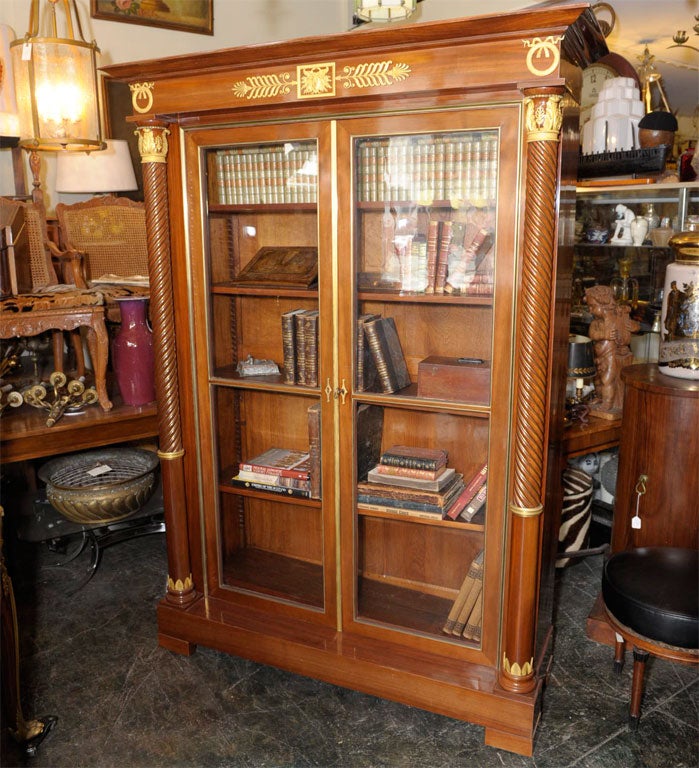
(32, 269)
(111, 231)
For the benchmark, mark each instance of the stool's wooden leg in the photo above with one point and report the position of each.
(619, 651)
(57, 345)
(98, 344)
(639, 667)
(77, 343)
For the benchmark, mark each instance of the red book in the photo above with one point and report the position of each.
(440, 277)
(466, 497)
(281, 462)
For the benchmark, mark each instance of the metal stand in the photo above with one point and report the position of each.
(62, 536)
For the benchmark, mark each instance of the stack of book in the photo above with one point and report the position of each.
(411, 481)
(277, 470)
(465, 618)
(300, 347)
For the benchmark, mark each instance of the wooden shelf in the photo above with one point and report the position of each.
(26, 436)
(272, 574)
(597, 435)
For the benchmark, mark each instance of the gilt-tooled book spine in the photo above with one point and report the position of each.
(432, 245)
(466, 598)
(443, 257)
(300, 341)
(472, 630)
(443, 478)
(415, 457)
(366, 367)
(384, 343)
(409, 473)
(310, 340)
(289, 345)
(314, 449)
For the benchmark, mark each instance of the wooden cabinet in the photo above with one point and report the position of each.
(659, 440)
(349, 162)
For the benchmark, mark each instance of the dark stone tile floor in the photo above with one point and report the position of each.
(93, 660)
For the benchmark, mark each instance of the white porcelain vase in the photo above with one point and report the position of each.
(639, 230)
(678, 354)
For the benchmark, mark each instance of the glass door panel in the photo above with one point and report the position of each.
(427, 270)
(265, 328)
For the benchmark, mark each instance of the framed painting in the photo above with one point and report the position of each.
(184, 15)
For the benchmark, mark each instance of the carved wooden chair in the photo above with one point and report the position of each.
(36, 302)
(110, 232)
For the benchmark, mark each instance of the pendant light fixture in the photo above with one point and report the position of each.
(56, 83)
(383, 10)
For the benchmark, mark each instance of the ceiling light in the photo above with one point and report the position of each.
(384, 10)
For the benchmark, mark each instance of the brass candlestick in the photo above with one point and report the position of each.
(67, 396)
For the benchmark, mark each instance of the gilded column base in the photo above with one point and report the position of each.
(180, 592)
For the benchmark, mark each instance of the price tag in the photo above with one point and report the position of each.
(27, 52)
(636, 522)
(100, 469)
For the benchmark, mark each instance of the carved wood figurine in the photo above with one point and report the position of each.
(610, 331)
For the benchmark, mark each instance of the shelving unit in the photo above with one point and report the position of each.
(646, 263)
(401, 144)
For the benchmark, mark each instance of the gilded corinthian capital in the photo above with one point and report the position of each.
(152, 144)
(543, 117)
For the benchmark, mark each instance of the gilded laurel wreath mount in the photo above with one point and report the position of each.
(320, 80)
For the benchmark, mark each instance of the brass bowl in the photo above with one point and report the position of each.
(100, 487)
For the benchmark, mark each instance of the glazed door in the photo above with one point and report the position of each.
(427, 301)
(262, 307)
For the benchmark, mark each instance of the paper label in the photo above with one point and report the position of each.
(100, 469)
(26, 52)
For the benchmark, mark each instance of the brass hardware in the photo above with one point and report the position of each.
(641, 485)
(328, 390)
(526, 511)
(640, 491)
(341, 392)
(543, 118)
(152, 144)
(141, 97)
(545, 52)
(320, 79)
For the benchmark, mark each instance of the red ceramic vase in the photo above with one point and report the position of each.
(132, 354)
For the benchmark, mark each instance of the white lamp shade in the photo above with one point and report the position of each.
(108, 170)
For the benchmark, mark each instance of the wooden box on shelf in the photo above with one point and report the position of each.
(454, 378)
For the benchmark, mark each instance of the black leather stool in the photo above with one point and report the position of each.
(652, 600)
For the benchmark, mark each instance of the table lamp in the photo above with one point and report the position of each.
(581, 363)
(110, 170)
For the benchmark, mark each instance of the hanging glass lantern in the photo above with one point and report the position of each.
(56, 84)
(384, 10)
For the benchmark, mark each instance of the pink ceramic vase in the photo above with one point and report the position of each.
(132, 353)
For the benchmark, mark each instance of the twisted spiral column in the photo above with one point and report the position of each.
(153, 147)
(543, 123)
